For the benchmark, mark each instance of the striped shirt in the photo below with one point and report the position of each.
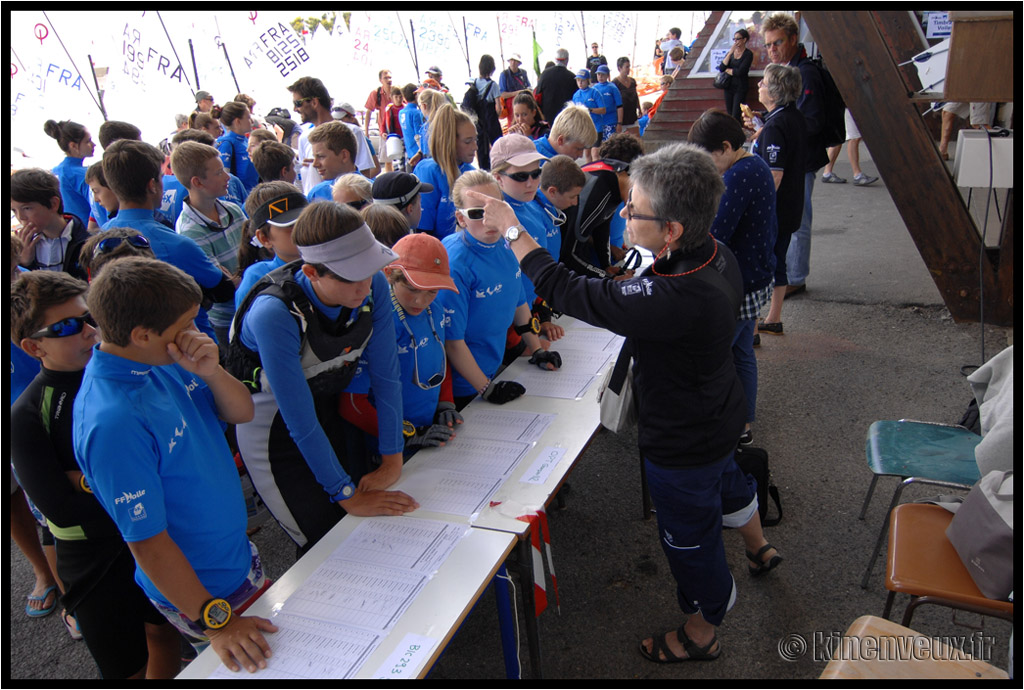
(219, 240)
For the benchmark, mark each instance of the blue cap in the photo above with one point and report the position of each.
(603, 69)
(583, 74)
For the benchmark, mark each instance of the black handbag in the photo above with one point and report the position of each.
(723, 80)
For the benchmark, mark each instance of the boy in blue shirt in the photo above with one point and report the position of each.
(612, 103)
(593, 101)
(132, 169)
(411, 119)
(334, 149)
(149, 435)
(645, 107)
(50, 320)
(174, 192)
(215, 225)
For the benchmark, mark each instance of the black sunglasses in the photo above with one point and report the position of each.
(298, 104)
(358, 204)
(109, 244)
(523, 176)
(68, 327)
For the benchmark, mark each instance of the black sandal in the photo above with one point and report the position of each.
(659, 647)
(763, 567)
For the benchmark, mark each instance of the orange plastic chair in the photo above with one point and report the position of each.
(923, 563)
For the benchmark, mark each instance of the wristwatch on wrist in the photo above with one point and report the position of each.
(512, 233)
(531, 326)
(347, 491)
(214, 614)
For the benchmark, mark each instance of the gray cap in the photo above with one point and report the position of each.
(561, 55)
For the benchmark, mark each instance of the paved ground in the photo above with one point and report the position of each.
(870, 339)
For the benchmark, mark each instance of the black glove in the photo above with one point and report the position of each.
(430, 436)
(541, 311)
(447, 415)
(501, 392)
(543, 357)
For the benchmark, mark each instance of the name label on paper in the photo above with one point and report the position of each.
(408, 657)
(543, 465)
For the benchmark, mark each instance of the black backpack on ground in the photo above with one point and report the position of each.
(754, 461)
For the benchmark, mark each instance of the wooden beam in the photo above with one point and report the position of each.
(908, 160)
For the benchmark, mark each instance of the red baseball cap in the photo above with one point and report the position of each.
(424, 260)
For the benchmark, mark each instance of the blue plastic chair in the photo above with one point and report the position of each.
(920, 453)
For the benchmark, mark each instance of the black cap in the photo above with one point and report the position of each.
(398, 188)
(280, 211)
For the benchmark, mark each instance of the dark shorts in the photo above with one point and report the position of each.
(112, 617)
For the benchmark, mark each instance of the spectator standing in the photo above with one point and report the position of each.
(378, 101)
(671, 41)
(612, 123)
(627, 91)
(782, 143)
(512, 81)
(852, 152)
(737, 65)
(204, 102)
(745, 222)
(589, 98)
(595, 60)
(555, 86)
(782, 39)
(312, 102)
(487, 107)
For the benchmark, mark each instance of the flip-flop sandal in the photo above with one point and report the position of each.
(72, 626)
(659, 647)
(763, 567)
(33, 612)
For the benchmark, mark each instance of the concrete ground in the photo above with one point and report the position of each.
(870, 339)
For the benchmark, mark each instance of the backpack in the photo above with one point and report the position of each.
(833, 130)
(471, 100)
(754, 462)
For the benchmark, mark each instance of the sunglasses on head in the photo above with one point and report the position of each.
(358, 204)
(617, 165)
(473, 213)
(109, 244)
(523, 176)
(68, 327)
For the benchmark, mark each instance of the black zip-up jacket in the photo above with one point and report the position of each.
(680, 330)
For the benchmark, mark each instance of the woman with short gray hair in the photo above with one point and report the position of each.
(679, 319)
(782, 143)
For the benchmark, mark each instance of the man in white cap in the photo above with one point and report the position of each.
(512, 81)
(366, 158)
(555, 86)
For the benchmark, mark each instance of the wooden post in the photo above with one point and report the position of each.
(925, 194)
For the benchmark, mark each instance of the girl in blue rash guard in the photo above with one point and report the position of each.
(515, 164)
(295, 342)
(490, 297)
(415, 278)
(453, 148)
(234, 145)
(76, 143)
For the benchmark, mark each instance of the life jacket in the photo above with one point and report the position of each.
(329, 351)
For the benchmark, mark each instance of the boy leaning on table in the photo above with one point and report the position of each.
(149, 434)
